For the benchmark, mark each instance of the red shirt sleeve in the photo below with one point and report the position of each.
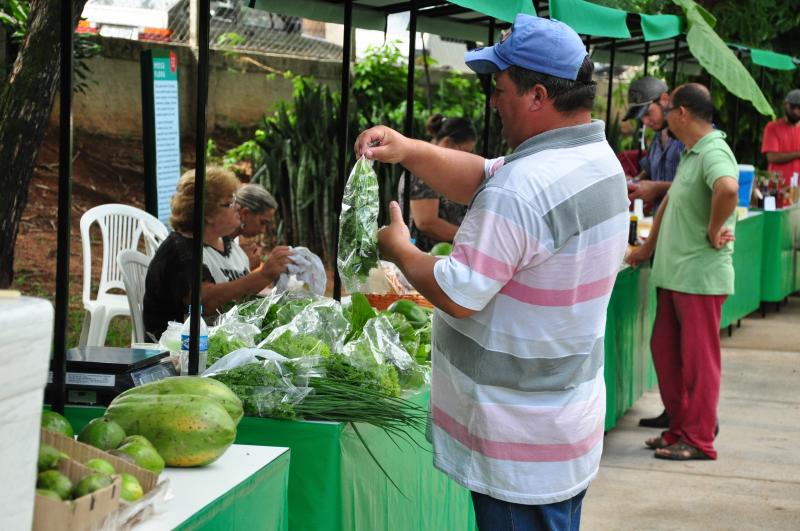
(770, 142)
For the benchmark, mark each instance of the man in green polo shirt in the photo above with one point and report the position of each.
(693, 272)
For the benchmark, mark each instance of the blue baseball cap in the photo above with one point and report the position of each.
(543, 45)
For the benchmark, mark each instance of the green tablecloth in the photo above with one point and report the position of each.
(334, 484)
(748, 262)
(780, 271)
(262, 498)
(259, 502)
(629, 324)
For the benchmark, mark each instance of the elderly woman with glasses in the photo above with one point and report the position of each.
(256, 210)
(227, 274)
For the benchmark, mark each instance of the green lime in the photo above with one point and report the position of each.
(144, 455)
(48, 457)
(91, 483)
(131, 488)
(52, 421)
(102, 433)
(441, 249)
(47, 493)
(55, 481)
(101, 465)
(137, 439)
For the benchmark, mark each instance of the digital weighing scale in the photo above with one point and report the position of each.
(96, 375)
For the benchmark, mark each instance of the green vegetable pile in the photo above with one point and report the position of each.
(297, 345)
(221, 344)
(358, 222)
(263, 389)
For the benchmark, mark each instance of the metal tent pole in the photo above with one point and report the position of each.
(344, 105)
(640, 129)
(675, 63)
(487, 110)
(64, 207)
(756, 143)
(409, 124)
(610, 86)
(203, 23)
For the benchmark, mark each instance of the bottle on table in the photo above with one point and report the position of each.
(633, 231)
(202, 343)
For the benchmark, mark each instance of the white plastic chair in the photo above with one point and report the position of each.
(154, 232)
(133, 266)
(121, 227)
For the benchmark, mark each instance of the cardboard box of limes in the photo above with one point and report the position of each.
(96, 508)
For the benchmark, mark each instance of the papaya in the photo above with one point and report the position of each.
(193, 385)
(186, 430)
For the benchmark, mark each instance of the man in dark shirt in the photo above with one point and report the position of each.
(647, 98)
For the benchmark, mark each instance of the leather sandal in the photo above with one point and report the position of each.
(680, 451)
(655, 443)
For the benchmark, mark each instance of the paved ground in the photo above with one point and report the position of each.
(755, 483)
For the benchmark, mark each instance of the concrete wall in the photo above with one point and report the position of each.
(240, 91)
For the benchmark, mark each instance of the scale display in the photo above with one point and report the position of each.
(96, 375)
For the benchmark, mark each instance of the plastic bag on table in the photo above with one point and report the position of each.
(305, 270)
(395, 279)
(229, 336)
(358, 227)
(250, 312)
(319, 328)
(263, 381)
(379, 343)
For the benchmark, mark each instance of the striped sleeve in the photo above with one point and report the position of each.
(499, 235)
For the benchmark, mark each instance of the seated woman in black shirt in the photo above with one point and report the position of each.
(226, 268)
(435, 218)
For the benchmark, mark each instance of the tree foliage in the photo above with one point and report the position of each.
(25, 104)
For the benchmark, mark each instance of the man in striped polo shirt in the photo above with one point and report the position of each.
(517, 393)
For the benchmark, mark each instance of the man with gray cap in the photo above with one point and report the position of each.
(517, 391)
(647, 98)
(781, 140)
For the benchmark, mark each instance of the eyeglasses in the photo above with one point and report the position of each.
(232, 204)
(668, 109)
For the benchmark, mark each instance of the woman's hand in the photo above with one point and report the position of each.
(383, 144)
(277, 263)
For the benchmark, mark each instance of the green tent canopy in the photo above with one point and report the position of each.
(591, 19)
(660, 27)
(770, 59)
(500, 9)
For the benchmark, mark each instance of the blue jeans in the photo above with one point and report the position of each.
(492, 514)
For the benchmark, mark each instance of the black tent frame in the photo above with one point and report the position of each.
(428, 8)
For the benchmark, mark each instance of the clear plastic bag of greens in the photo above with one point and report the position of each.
(319, 328)
(233, 335)
(379, 343)
(250, 312)
(358, 227)
(263, 381)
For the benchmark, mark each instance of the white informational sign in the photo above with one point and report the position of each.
(167, 131)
